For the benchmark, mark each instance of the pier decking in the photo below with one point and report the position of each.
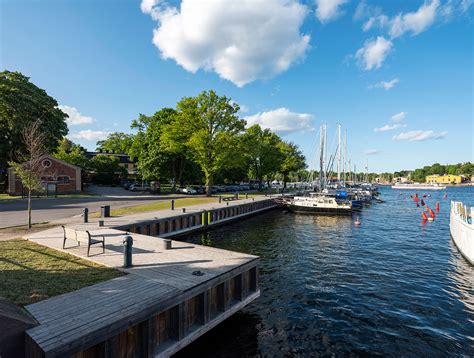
(167, 299)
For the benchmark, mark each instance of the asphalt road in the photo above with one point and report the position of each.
(13, 212)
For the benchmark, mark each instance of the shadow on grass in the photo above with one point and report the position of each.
(30, 273)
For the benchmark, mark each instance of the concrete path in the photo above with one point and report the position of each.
(13, 211)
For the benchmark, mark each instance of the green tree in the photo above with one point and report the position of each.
(71, 153)
(210, 126)
(263, 153)
(293, 160)
(29, 169)
(116, 142)
(21, 104)
(105, 169)
(161, 148)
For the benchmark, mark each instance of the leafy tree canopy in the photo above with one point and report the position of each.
(117, 142)
(71, 153)
(22, 103)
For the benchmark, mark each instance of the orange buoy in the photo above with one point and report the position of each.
(424, 216)
(432, 214)
(437, 207)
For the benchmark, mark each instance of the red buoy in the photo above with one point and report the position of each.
(432, 214)
(422, 202)
(437, 207)
(424, 216)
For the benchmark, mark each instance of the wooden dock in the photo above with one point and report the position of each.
(168, 298)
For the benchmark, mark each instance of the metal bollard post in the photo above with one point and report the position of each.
(184, 210)
(167, 244)
(85, 214)
(246, 195)
(236, 196)
(227, 203)
(101, 222)
(172, 204)
(220, 199)
(127, 251)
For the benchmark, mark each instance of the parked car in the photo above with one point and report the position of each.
(199, 189)
(140, 187)
(244, 187)
(127, 185)
(190, 191)
(181, 190)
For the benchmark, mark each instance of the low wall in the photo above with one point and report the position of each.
(462, 229)
(185, 223)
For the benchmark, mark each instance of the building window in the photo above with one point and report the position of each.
(47, 163)
(64, 179)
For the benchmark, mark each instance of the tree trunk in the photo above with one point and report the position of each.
(209, 183)
(285, 179)
(182, 164)
(173, 169)
(29, 208)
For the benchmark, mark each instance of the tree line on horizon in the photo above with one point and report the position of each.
(201, 140)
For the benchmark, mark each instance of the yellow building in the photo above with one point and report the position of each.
(445, 179)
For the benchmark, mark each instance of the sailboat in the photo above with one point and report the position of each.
(321, 202)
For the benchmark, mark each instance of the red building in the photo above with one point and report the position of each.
(57, 176)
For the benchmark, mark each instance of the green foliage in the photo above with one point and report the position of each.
(117, 142)
(420, 174)
(71, 153)
(208, 128)
(106, 169)
(293, 160)
(22, 103)
(28, 179)
(263, 152)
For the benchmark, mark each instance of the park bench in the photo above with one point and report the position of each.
(229, 198)
(83, 236)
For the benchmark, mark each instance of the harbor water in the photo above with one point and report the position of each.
(394, 286)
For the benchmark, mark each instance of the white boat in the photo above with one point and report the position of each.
(317, 203)
(418, 186)
(461, 225)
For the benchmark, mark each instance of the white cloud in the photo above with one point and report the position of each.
(241, 41)
(399, 116)
(386, 85)
(89, 135)
(389, 127)
(414, 22)
(327, 10)
(371, 152)
(373, 53)
(75, 117)
(416, 136)
(281, 120)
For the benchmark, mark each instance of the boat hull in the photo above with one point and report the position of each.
(318, 210)
(418, 187)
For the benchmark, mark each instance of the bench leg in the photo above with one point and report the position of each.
(103, 246)
(64, 242)
(88, 249)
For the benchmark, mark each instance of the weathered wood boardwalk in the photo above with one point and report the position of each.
(168, 299)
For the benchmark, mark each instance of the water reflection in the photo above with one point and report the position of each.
(390, 287)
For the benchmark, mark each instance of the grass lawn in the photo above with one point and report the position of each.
(30, 272)
(159, 205)
(7, 197)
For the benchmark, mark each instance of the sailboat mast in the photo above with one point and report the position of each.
(321, 155)
(344, 161)
(338, 153)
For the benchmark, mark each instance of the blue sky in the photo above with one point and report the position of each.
(290, 65)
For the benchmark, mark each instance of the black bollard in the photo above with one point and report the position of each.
(184, 210)
(127, 251)
(220, 199)
(85, 214)
(167, 244)
(172, 204)
(246, 195)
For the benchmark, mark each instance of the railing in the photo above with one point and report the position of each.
(462, 212)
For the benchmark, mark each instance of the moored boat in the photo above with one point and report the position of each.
(418, 186)
(317, 203)
(462, 229)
